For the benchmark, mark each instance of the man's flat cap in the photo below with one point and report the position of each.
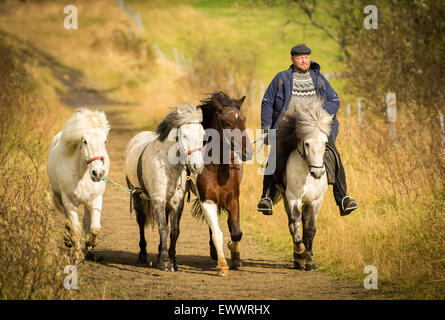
(300, 49)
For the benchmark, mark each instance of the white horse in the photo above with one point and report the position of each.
(76, 164)
(302, 138)
(157, 162)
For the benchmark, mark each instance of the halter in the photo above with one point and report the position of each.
(304, 156)
(102, 158)
(189, 152)
(233, 110)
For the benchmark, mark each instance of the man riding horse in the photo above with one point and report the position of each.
(302, 82)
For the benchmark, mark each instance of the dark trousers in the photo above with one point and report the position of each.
(340, 187)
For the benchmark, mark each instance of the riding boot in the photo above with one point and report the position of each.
(346, 203)
(269, 191)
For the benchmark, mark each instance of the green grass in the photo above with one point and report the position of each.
(260, 32)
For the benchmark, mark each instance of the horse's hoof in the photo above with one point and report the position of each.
(299, 265)
(310, 267)
(222, 271)
(92, 243)
(91, 256)
(236, 264)
(165, 266)
(68, 242)
(143, 260)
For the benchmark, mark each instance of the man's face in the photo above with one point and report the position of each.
(301, 62)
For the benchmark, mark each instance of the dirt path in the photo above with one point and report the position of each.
(264, 276)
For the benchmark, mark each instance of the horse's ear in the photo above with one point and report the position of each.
(241, 101)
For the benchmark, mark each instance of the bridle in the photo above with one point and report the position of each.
(304, 156)
(189, 152)
(102, 158)
(225, 139)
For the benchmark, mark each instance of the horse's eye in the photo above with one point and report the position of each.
(306, 144)
(84, 142)
(106, 141)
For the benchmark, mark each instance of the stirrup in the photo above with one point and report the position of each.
(266, 211)
(349, 209)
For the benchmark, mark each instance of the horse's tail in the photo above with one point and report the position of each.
(142, 204)
(278, 197)
(197, 210)
(148, 210)
(144, 210)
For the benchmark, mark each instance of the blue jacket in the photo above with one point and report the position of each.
(278, 94)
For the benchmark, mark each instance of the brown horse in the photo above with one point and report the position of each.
(218, 184)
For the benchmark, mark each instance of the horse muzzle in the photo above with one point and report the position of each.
(97, 175)
(317, 172)
(196, 167)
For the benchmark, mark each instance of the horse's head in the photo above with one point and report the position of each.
(306, 128)
(314, 126)
(232, 123)
(313, 149)
(92, 146)
(190, 141)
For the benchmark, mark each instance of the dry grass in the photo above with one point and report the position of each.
(44, 67)
(31, 265)
(400, 225)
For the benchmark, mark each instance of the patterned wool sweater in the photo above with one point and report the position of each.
(303, 88)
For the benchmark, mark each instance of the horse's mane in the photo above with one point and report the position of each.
(300, 122)
(81, 121)
(208, 107)
(180, 115)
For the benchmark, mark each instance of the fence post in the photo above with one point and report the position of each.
(183, 62)
(252, 92)
(159, 51)
(230, 82)
(176, 56)
(244, 93)
(391, 114)
(442, 128)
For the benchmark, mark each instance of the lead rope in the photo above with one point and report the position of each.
(131, 192)
(109, 181)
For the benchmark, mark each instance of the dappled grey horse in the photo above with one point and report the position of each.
(158, 165)
(302, 138)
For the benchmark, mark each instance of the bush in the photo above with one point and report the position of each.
(31, 266)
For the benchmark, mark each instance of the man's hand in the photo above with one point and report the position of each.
(267, 133)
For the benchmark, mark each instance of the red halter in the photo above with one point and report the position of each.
(102, 158)
(193, 150)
